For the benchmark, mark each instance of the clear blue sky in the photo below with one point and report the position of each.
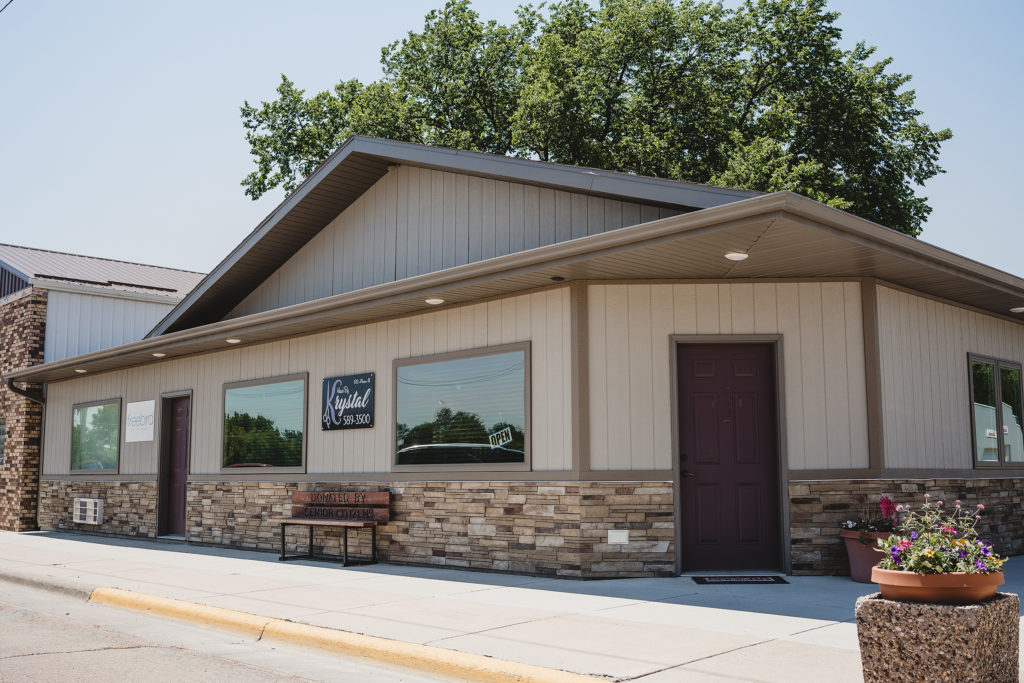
(120, 134)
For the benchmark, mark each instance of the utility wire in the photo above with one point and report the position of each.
(5, 6)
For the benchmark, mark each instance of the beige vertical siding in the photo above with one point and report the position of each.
(630, 356)
(923, 347)
(415, 221)
(80, 323)
(541, 318)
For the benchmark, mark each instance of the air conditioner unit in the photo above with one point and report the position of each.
(88, 511)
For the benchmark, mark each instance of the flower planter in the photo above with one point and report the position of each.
(863, 556)
(913, 641)
(941, 589)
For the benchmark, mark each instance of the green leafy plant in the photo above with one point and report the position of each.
(934, 540)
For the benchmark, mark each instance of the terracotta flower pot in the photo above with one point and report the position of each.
(956, 588)
(863, 556)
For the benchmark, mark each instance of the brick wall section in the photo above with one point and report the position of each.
(549, 528)
(818, 507)
(129, 508)
(22, 330)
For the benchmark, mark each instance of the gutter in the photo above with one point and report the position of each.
(36, 396)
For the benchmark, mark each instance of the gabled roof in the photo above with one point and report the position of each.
(358, 164)
(786, 236)
(42, 266)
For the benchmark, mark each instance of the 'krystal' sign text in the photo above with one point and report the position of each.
(348, 402)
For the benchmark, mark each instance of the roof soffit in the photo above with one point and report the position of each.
(788, 237)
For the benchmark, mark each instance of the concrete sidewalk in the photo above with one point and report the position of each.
(668, 629)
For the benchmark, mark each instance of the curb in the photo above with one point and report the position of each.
(43, 583)
(426, 658)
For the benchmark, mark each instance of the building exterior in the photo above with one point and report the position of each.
(554, 370)
(54, 306)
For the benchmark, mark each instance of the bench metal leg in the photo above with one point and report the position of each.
(282, 541)
(344, 533)
(310, 541)
(373, 544)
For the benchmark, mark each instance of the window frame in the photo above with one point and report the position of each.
(997, 365)
(278, 379)
(120, 435)
(525, 466)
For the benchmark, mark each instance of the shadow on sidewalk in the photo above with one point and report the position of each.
(827, 598)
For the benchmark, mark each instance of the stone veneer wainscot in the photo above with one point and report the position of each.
(818, 507)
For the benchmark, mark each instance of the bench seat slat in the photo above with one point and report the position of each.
(320, 522)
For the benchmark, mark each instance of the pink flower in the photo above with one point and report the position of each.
(885, 503)
(980, 506)
(977, 516)
(927, 495)
(957, 501)
(940, 502)
(899, 507)
(949, 530)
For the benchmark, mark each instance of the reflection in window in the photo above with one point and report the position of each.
(997, 413)
(263, 424)
(95, 436)
(462, 411)
(1013, 438)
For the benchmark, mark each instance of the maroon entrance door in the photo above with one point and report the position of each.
(728, 459)
(174, 466)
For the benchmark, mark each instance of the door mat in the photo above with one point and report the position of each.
(728, 580)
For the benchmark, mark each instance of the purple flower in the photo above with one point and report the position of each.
(986, 550)
(913, 535)
(980, 565)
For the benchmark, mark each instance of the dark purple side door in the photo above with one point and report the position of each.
(728, 453)
(174, 474)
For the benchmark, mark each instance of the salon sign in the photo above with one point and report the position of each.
(348, 402)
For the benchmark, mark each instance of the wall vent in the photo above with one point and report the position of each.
(88, 511)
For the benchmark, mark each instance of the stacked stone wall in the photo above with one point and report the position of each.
(548, 528)
(22, 336)
(817, 508)
(129, 508)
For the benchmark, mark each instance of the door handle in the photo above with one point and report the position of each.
(686, 473)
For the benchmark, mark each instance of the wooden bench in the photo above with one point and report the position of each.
(344, 509)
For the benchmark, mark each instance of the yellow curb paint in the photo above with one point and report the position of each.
(435, 660)
(206, 615)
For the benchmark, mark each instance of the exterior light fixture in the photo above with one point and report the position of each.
(80, 371)
(558, 278)
(233, 341)
(434, 301)
(157, 354)
(737, 256)
(1017, 309)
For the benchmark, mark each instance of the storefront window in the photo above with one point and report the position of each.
(996, 414)
(96, 436)
(468, 409)
(264, 423)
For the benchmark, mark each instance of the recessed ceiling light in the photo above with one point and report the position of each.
(1017, 309)
(435, 301)
(233, 341)
(558, 278)
(737, 256)
(157, 354)
(80, 371)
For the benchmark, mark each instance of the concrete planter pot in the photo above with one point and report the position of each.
(914, 641)
(954, 588)
(861, 550)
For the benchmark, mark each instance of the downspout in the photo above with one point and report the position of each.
(36, 396)
(32, 395)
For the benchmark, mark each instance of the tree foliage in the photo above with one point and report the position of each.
(761, 97)
(256, 441)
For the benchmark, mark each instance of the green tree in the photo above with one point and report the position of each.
(760, 97)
